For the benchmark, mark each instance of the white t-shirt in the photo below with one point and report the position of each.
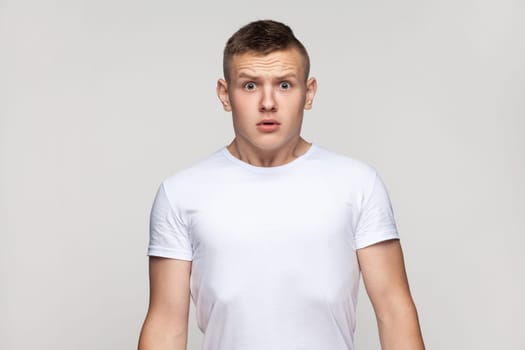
(273, 255)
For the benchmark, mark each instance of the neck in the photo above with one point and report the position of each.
(257, 156)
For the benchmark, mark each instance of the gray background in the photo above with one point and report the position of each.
(101, 100)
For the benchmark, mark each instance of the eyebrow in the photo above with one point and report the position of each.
(282, 77)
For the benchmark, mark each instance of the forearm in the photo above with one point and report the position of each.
(166, 324)
(157, 336)
(399, 328)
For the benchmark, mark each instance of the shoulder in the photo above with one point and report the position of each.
(338, 164)
(200, 172)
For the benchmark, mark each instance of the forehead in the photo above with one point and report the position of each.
(288, 61)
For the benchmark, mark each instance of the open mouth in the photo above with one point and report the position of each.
(268, 125)
(268, 122)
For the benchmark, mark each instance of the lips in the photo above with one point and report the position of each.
(268, 125)
(268, 122)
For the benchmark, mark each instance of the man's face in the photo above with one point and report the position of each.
(267, 96)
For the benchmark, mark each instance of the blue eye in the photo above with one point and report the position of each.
(249, 86)
(285, 85)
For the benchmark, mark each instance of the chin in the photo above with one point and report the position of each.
(270, 144)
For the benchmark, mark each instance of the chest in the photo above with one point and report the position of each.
(266, 216)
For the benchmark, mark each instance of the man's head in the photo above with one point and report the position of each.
(262, 38)
(266, 85)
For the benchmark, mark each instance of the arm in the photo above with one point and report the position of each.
(166, 324)
(386, 283)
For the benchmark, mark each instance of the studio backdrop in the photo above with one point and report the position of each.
(102, 100)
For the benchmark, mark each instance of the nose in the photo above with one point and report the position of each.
(268, 103)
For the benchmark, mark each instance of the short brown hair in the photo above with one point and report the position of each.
(262, 37)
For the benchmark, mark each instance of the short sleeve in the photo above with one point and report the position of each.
(376, 221)
(168, 233)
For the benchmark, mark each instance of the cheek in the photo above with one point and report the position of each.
(292, 102)
(242, 102)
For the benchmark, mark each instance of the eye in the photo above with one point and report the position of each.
(250, 86)
(285, 85)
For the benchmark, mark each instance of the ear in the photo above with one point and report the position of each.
(311, 88)
(222, 93)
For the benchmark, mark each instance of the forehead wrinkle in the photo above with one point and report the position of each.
(253, 74)
(277, 63)
(253, 66)
(278, 70)
(262, 65)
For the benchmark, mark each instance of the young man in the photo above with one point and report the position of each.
(271, 232)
